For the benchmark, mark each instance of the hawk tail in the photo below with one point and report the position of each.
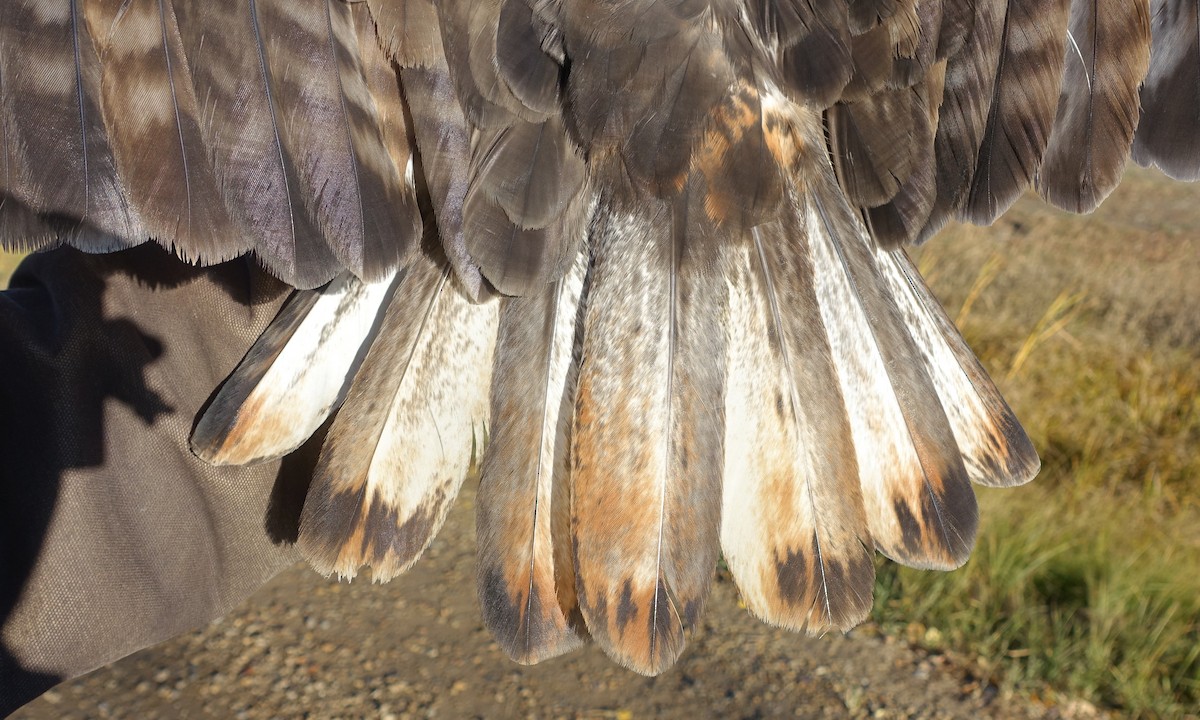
(794, 398)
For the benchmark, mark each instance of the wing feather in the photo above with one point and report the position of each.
(1107, 57)
(1166, 136)
(62, 165)
(149, 101)
(1024, 99)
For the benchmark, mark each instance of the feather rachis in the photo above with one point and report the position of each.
(524, 487)
(646, 477)
(397, 453)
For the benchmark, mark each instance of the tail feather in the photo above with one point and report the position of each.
(817, 407)
(400, 447)
(919, 503)
(296, 374)
(526, 572)
(994, 446)
(794, 530)
(647, 438)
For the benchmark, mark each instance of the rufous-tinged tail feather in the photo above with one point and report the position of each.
(295, 375)
(856, 418)
(403, 442)
(648, 435)
(793, 528)
(994, 446)
(526, 569)
(918, 499)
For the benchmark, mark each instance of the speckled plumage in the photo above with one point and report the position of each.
(650, 245)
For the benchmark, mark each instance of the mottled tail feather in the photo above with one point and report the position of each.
(994, 446)
(403, 442)
(917, 495)
(295, 375)
(856, 419)
(793, 530)
(799, 404)
(526, 570)
(647, 444)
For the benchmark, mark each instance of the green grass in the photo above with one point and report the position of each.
(1087, 580)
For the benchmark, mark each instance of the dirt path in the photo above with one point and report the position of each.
(304, 646)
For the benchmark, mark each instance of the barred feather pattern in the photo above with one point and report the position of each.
(1024, 99)
(650, 244)
(214, 128)
(1107, 57)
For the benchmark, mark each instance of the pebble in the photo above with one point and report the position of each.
(304, 646)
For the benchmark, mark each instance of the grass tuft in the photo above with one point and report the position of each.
(1087, 580)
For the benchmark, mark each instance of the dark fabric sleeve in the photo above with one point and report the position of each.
(113, 536)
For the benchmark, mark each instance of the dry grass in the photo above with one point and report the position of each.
(1089, 579)
(8, 263)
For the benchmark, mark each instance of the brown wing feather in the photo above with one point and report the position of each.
(61, 164)
(149, 102)
(901, 219)
(1107, 56)
(1167, 135)
(963, 114)
(1024, 98)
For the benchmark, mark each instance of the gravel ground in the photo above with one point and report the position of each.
(304, 646)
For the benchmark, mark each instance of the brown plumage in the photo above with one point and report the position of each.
(1107, 57)
(526, 567)
(706, 337)
(1166, 135)
(1024, 97)
(644, 520)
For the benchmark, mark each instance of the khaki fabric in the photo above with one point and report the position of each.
(114, 537)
